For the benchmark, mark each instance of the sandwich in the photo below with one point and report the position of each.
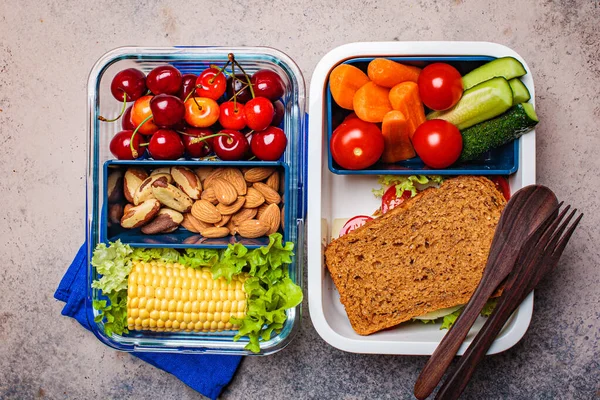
(427, 254)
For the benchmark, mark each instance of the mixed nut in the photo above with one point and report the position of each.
(214, 202)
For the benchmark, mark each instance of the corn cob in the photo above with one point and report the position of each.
(166, 297)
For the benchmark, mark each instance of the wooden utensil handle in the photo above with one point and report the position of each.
(462, 373)
(442, 356)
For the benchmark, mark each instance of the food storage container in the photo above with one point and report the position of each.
(100, 160)
(335, 194)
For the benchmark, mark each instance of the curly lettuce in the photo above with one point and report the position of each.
(404, 183)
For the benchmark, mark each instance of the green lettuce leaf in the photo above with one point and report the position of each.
(114, 313)
(489, 307)
(404, 183)
(450, 319)
(114, 263)
(198, 258)
(231, 262)
(162, 254)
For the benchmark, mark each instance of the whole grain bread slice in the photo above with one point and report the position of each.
(426, 254)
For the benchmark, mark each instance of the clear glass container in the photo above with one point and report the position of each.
(293, 162)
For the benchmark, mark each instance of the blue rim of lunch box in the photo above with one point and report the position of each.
(175, 240)
(507, 156)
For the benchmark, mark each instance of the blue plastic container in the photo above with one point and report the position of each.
(501, 161)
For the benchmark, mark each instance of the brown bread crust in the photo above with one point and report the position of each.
(429, 253)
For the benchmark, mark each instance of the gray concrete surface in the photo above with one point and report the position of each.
(46, 51)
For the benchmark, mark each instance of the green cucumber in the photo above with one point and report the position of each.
(520, 91)
(482, 102)
(498, 131)
(506, 67)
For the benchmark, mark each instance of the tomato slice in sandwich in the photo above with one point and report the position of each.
(389, 200)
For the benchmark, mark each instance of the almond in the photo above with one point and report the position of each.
(260, 210)
(114, 186)
(270, 195)
(224, 191)
(232, 227)
(187, 181)
(171, 196)
(253, 198)
(209, 195)
(144, 191)
(131, 182)
(258, 174)
(140, 215)
(243, 215)
(191, 239)
(187, 223)
(206, 212)
(236, 178)
(252, 228)
(271, 217)
(217, 173)
(215, 232)
(224, 220)
(232, 208)
(166, 221)
(197, 224)
(203, 172)
(273, 181)
(161, 170)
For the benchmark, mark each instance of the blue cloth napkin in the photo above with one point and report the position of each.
(205, 373)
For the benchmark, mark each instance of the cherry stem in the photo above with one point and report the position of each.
(144, 144)
(203, 138)
(134, 152)
(233, 60)
(191, 93)
(235, 109)
(239, 91)
(249, 133)
(101, 118)
(211, 80)
(252, 158)
(197, 104)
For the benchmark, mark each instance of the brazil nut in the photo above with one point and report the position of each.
(132, 181)
(171, 196)
(187, 181)
(141, 214)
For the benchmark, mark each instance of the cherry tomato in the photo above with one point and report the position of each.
(502, 185)
(389, 200)
(356, 144)
(438, 143)
(353, 223)
(440, 86)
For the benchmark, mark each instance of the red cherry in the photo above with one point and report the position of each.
(232, 116)
(230, 147)
(279, 113)
(188, 85)
(269, 145)
(267, 83)
(240, 87)
(166, 144)
(131, 82)
(199, 149)
(126, 122)
(167, 110)
(120, 145)
(211, 83)
(164, 79)
(259, 113)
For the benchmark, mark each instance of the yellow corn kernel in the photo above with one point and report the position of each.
(172, 297)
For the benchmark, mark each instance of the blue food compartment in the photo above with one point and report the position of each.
(182, 238)
(503, 160)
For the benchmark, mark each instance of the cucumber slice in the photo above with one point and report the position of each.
(498, 131)
(506, 67)
(484, 101)
(442, 312)
(520, 91)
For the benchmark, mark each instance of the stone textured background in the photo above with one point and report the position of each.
(46, 51)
